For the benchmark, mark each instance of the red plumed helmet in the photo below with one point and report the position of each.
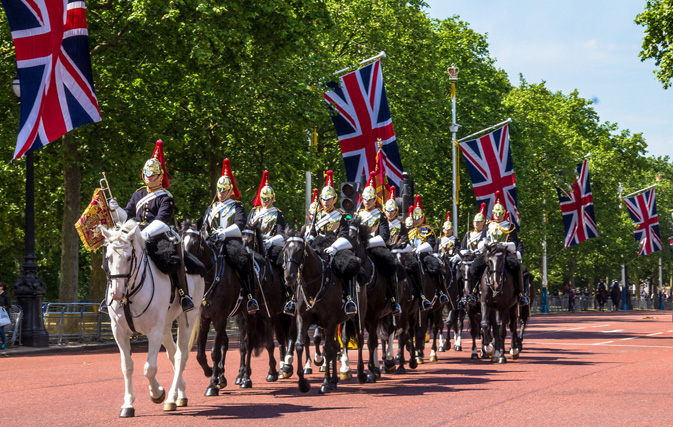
(448, 215)
(315, 195)
(156, 165)
(268, 191)
(227, 181)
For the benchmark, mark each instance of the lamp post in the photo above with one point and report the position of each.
(29, 289)
(453, 78)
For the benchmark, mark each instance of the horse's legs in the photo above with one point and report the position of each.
(362, 377)
(154, 338)
(331, 347)
(486, 330)
(204, 328)
(318, 358)
(436, 330)
(217, 356)
(419, 340)
(176, 395)
(345, 370)
(171, 349)
(127, 370)
(373, 345)
(246, 352)
(515, 344)
(302, 334)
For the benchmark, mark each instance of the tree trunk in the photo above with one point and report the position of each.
(71, 208)
(98, 280)
(571, 272)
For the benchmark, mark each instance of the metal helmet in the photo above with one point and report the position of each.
(448, 225)
(156, 166)
(328, 190)
(224, 185)
(409, 221)
(498, 208)
(265, 192)
(418, 212)
(391, 205)
(481, 215)
(369, 192)
(315, 205)
(226, 182)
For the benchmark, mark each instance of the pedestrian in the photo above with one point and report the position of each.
(4, 303)
(616, 295)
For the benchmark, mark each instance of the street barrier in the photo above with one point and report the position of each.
(79, 322)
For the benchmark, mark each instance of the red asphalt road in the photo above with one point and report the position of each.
(599, 369)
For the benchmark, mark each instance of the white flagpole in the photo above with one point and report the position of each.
(381, 54)
(509, 120)
(453, 77)
(640, 191)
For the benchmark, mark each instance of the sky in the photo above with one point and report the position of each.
(588, 45)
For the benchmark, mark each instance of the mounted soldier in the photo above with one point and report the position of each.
(330, 221)
(422, 239)
(447, 245)
(377, 222)
(473, 243)
(269, 217)
(224, 220)
(399, 237)
(152, 207)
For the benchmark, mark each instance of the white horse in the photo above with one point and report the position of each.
(134, 279)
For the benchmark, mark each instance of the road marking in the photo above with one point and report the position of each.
(629, 338)
(574, 329)
(608, 345)
(656, 333)
(616, 330)
(600, 326)
(670, 330)
(604, 342)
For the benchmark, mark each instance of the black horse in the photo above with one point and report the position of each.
(456, 314)
(378, 266)
(524, 310)
(499, 304)
(601, 296)
(318, 282)
(433, 280)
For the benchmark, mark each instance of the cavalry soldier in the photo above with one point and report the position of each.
(152, 207)
(269, 218)
(473, 241)
(422, 239)
(370, 213)
(330, 221)
(378, 224)
(312, 209)
(399, 237)
(226, 218)
(447, 244)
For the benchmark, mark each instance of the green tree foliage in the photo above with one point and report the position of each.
(244, 80)
(658, 22)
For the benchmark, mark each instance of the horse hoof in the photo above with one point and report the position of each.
(441, 349)
(515, 356)
(238, 380)
(502, 359)
(182, 402)
(419, 360)
(308, 371)
(390, 369)
(322, 368)
(371, 378)
(221, 382)
(170, 407)
(433, 358)
(401, 370)
(363, 378)
(271, 378)
(159, 399)
(325, 388)
(127, 413)
(490, 350)
(494, 359)
(377, 373)
(458, 348)
(287, 371)
(345, 376)
(413, 364)
(304, 385)
(212, 391)
(484, 355)
(474, 356)
(246, 383)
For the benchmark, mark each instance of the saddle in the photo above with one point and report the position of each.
(164, 255)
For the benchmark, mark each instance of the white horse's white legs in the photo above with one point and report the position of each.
(177, 391)
(157, 392)
(127, 370)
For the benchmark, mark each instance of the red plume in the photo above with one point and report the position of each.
(497, 197)
(418, 203)
(329, 179)
(506, 216)
(226, 171)
(159, 154)
(411, 211)
(265, 182)
(372, 179)
(391, 196)
(448, 216)
(315, 195)
(483, 209)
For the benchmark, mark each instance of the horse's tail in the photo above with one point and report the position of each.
(258, 337)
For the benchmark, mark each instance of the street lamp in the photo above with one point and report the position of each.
(453, 78)
(29, 289)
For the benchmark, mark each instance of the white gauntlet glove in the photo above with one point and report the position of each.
(112, 204)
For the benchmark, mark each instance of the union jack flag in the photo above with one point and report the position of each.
(489, 161)
(577, 207)
(52, 56)
(643, 212)
(362, 116)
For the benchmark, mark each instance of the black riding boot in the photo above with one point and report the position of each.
(520, 284)
(392, 290)
(350, 307)
(252, 306)
(181, 280)
(423, 301)
(441, 290)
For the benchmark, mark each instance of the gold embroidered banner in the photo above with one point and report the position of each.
(96, 213)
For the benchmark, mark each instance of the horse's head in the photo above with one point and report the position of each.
(358, 234)
(191, 237)
(294, 253)
(252, 236)
(120, 257)
(495, 253)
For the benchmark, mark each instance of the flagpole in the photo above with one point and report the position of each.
(639, 191)
(509, 120)
(453, 77)
(381, 54)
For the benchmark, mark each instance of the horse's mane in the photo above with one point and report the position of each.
(292, 232)
(363, 229)
(187, 224)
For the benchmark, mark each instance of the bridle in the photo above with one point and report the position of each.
(324, 278)
(495, 283)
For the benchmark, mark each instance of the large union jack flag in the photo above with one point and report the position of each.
(52, 55)
(577, 207)
(643, 212)
(362, 116)
(489, 161)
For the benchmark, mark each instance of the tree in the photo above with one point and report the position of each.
(658, 22)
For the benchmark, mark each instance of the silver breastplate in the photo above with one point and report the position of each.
(372, 219)
(328, 223)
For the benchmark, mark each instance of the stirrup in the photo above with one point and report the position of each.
(471, 299)
(425, 304)
(252, 306)
(350, 307)
(290, 308)
(443, 299)
(103, 307)
(186, 303)
(395, 308)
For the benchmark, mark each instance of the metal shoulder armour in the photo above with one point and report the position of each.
(269, 221)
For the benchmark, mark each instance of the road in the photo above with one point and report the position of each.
(599, 369)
